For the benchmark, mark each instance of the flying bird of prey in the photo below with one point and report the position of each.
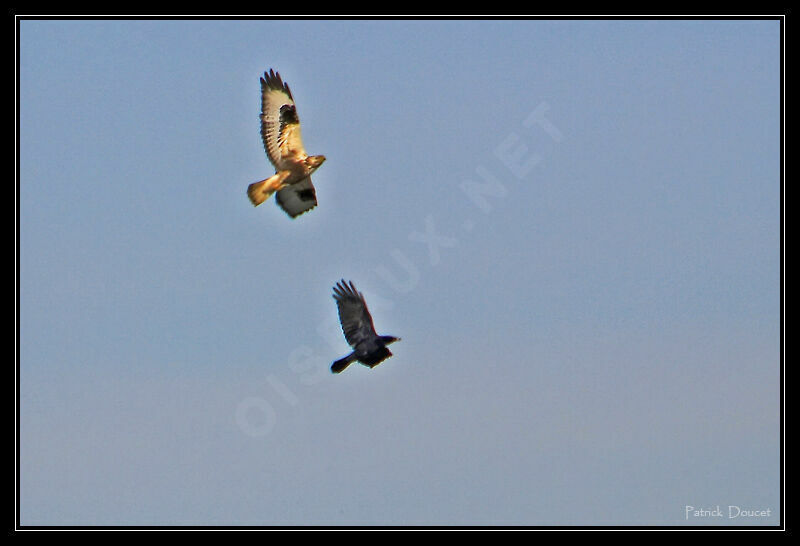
(280, 132)
(368, 347)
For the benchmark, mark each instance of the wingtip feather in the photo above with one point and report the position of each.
(273, 80)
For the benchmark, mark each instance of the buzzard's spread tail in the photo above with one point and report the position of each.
(342, 363)
(258, 192)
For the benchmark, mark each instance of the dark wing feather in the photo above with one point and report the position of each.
(376, 357)
(280, 126)
(353, 313)
(297, 198)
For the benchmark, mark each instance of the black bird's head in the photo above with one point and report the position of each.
(389, 339)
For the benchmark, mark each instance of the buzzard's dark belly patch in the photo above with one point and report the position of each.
(306, 195)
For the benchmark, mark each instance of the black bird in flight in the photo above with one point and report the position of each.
(368, 347)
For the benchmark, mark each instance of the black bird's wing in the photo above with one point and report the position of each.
(353, 313)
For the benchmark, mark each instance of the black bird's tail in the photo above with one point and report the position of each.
(342, 363)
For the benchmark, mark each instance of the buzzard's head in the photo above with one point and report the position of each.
(314, 161)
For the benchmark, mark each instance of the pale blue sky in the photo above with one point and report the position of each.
(573, 225)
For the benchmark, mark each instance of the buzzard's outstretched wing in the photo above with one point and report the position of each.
(297, 198)
(353, 313)
(280, 126)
